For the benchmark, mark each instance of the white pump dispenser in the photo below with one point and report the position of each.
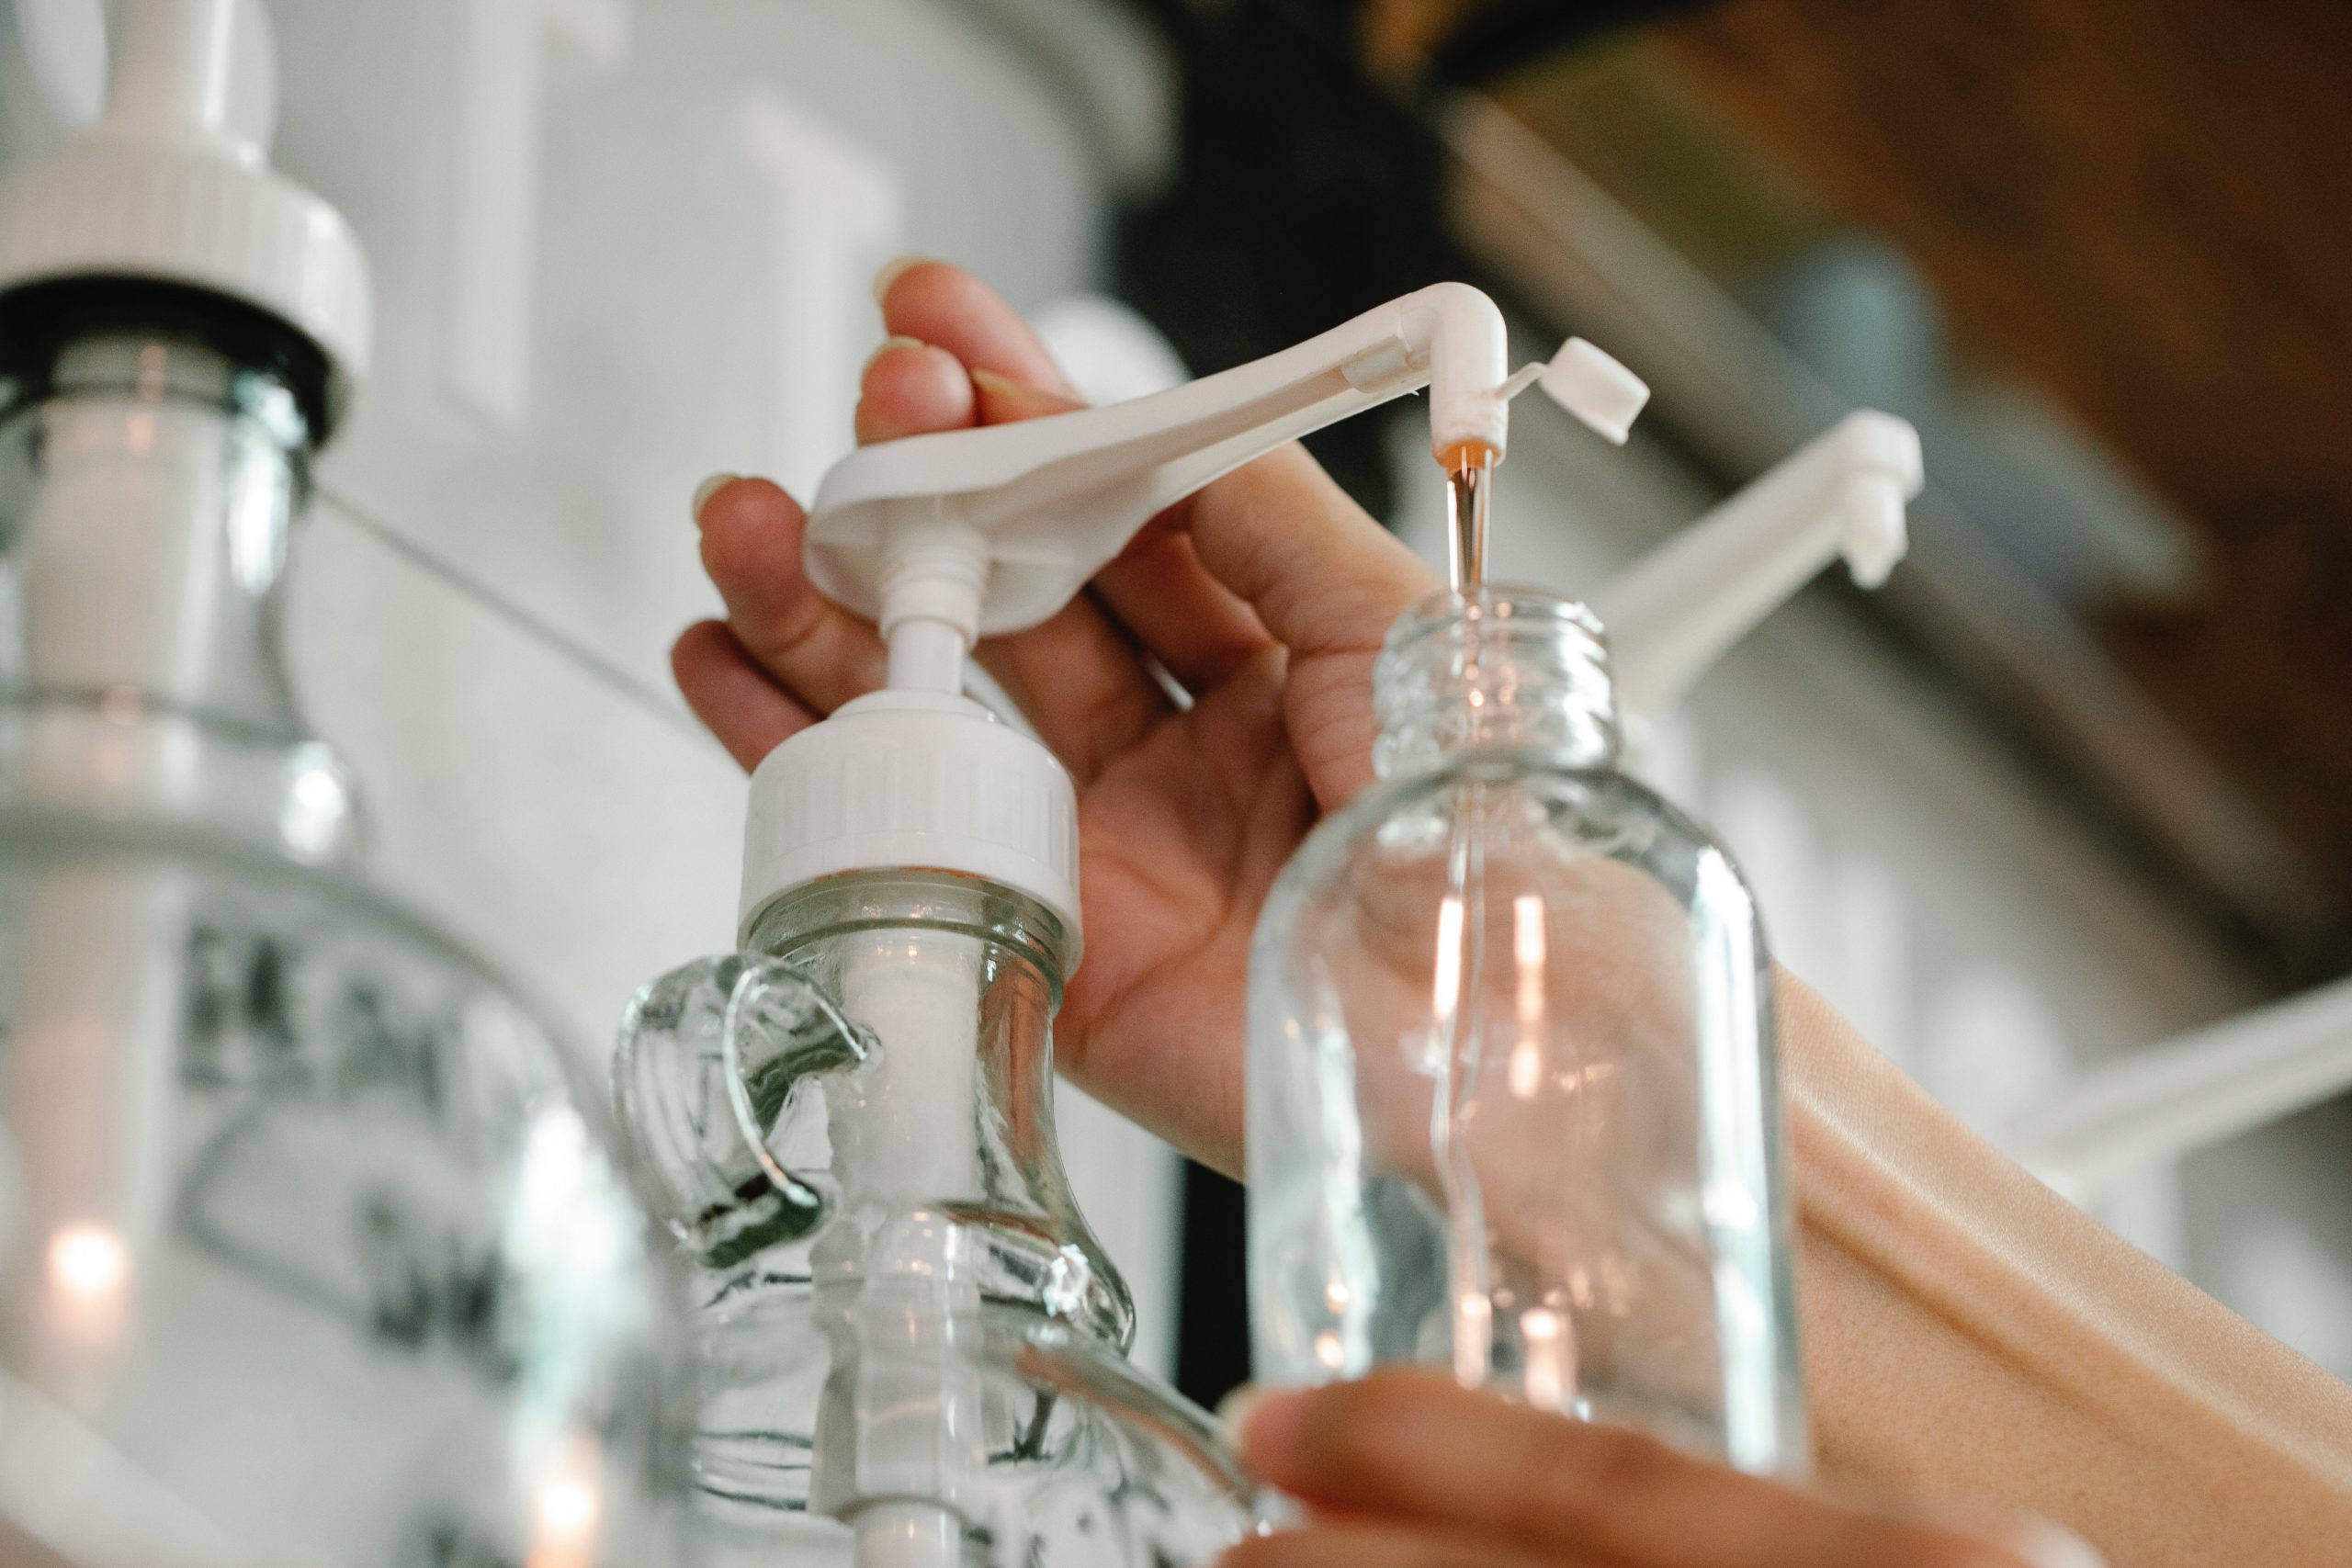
(1679, 608)
(943, 539)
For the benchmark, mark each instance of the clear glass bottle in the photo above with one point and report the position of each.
(319, 1253)
(913, 1346)
(1511, 1104)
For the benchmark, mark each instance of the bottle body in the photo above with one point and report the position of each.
(318, 1252)
(1512, 1098)
(907, 1331)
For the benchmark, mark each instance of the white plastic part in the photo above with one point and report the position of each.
(1040, 506)
(915, 1408)
(52, 70)
(1679, 607)
(913, 778)
(1596, 389)
(2148, 1107)
(943, 539)
(171, 183)
(909, 1535)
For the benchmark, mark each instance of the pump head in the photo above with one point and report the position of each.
(983, 531)
(943, 539)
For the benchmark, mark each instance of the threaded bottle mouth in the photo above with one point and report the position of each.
(1498, 668)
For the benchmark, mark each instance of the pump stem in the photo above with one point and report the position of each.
(1470, 486)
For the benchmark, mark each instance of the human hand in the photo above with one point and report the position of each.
(1406, 1469)
(1266, 596)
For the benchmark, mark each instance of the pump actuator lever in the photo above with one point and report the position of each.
(1680, 607)
(1003, 525)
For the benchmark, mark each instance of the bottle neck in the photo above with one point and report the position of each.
(943, 1151)
(149, 483)
(1494, 670)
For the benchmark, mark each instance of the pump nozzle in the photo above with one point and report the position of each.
(1682, 605)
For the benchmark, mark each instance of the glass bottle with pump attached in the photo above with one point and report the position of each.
(912, 1344)
(317, 1252)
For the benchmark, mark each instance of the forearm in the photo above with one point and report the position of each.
(1972, 1336)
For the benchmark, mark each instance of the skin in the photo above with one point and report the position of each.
(1406, 1469)
(1972, 1339)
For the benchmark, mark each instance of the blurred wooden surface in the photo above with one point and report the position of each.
(2147, 209)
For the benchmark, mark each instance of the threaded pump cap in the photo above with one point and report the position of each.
(913, 781)
(170, 186)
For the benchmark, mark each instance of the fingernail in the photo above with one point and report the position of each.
(999, 385)
(891, 272)
(708, 488)
(1262, 1420)
(890, 345)
(1234, 1409)
(2053, 1546)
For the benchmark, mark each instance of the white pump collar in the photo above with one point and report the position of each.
(167, 186)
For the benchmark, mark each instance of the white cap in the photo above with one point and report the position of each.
(920, 781)
(167, 186)
(1598, 390)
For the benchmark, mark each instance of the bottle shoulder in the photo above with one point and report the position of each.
(1511, 802)
(1593, 845)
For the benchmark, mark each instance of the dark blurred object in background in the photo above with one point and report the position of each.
(2141, 210)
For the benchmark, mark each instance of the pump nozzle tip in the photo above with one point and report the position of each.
(1876, 533)
(1602, 393)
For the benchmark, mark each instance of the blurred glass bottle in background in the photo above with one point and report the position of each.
(318, 1252)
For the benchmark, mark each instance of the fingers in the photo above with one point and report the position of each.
(1080, 684)
(910, 387)
(1279, 534)
(809, 653)
(949, 308)
(1320, 574)
(1166, 599)
(1326, 583)
(732, 695)
(1414, 1448)
(1358, 1544)
(818, 652)
(1004, 400)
